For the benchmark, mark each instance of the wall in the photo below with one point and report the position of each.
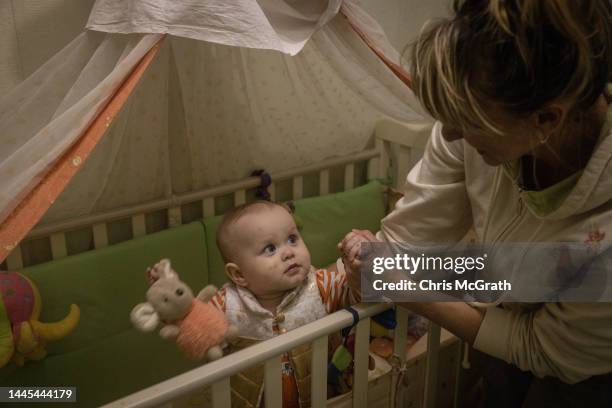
(402, 19)
(34, 30)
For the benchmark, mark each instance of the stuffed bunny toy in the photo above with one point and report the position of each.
(198, 328)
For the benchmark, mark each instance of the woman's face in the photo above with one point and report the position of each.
(517, 139)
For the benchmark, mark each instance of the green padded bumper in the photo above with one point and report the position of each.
(104, 357)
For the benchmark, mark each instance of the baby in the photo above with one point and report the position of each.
(273, 289)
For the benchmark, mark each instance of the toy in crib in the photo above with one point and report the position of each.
(22, 336)
(381, 342)
(340, 368)
(198, 328)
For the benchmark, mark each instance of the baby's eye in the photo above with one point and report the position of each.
(269, 249)
(293, 238)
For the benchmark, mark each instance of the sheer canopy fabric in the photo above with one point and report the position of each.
(263, 24)
(205, 112)
(44, 115)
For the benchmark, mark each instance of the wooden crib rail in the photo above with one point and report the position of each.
(405, 138)
(55, 233)
(217, 373)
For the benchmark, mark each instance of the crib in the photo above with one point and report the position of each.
(428, 375)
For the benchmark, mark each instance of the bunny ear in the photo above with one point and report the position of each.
(160, 270)
(152, 277)
(166, 270)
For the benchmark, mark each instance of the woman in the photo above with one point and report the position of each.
(520, 152)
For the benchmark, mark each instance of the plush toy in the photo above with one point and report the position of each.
(22, 335)
(381, 342)
(340, 367)
(380, 337)
(382, 323)
(198, 328)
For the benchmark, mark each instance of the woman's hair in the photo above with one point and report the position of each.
(516, 55)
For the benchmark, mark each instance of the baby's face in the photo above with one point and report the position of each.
(270, 251)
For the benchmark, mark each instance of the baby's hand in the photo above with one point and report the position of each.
(351, 249)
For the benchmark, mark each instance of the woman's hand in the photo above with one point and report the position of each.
(352, 254)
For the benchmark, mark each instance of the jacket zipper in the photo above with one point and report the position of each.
(520, 212)
(511, 225)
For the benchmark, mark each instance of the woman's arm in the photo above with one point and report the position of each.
(457, 317)
(570, 341)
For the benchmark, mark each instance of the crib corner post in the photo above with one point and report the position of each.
(431, 368)
(361, 357)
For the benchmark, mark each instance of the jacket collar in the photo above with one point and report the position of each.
(252, 304)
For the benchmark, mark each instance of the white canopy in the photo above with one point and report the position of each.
(264, 24)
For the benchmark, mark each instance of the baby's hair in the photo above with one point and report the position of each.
(517, 55)
(229, 218)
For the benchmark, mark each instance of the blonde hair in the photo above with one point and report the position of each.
(515, 54)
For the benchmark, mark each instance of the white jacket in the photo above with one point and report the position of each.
(452, 189)
(301, 306)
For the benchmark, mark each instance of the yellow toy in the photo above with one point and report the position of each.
(22, 336)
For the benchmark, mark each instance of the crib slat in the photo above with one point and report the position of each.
(139, 226)
(100, 236)
(272, 191)
(360, 382)
(221, 393)
(318, 390)
(373, 168)
(404, 158)
(459, 356)
(208, 207)
(298, 187)
(324, 182)
(349, 176)
(384, 161)
(431, 366)
(272, 383)
(239, 197)
(400, 333)
(58, 245)
(14, 261)
(175, 217)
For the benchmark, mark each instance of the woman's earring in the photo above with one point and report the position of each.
(541, 138)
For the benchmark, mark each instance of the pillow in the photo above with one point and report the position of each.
(326, 219)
